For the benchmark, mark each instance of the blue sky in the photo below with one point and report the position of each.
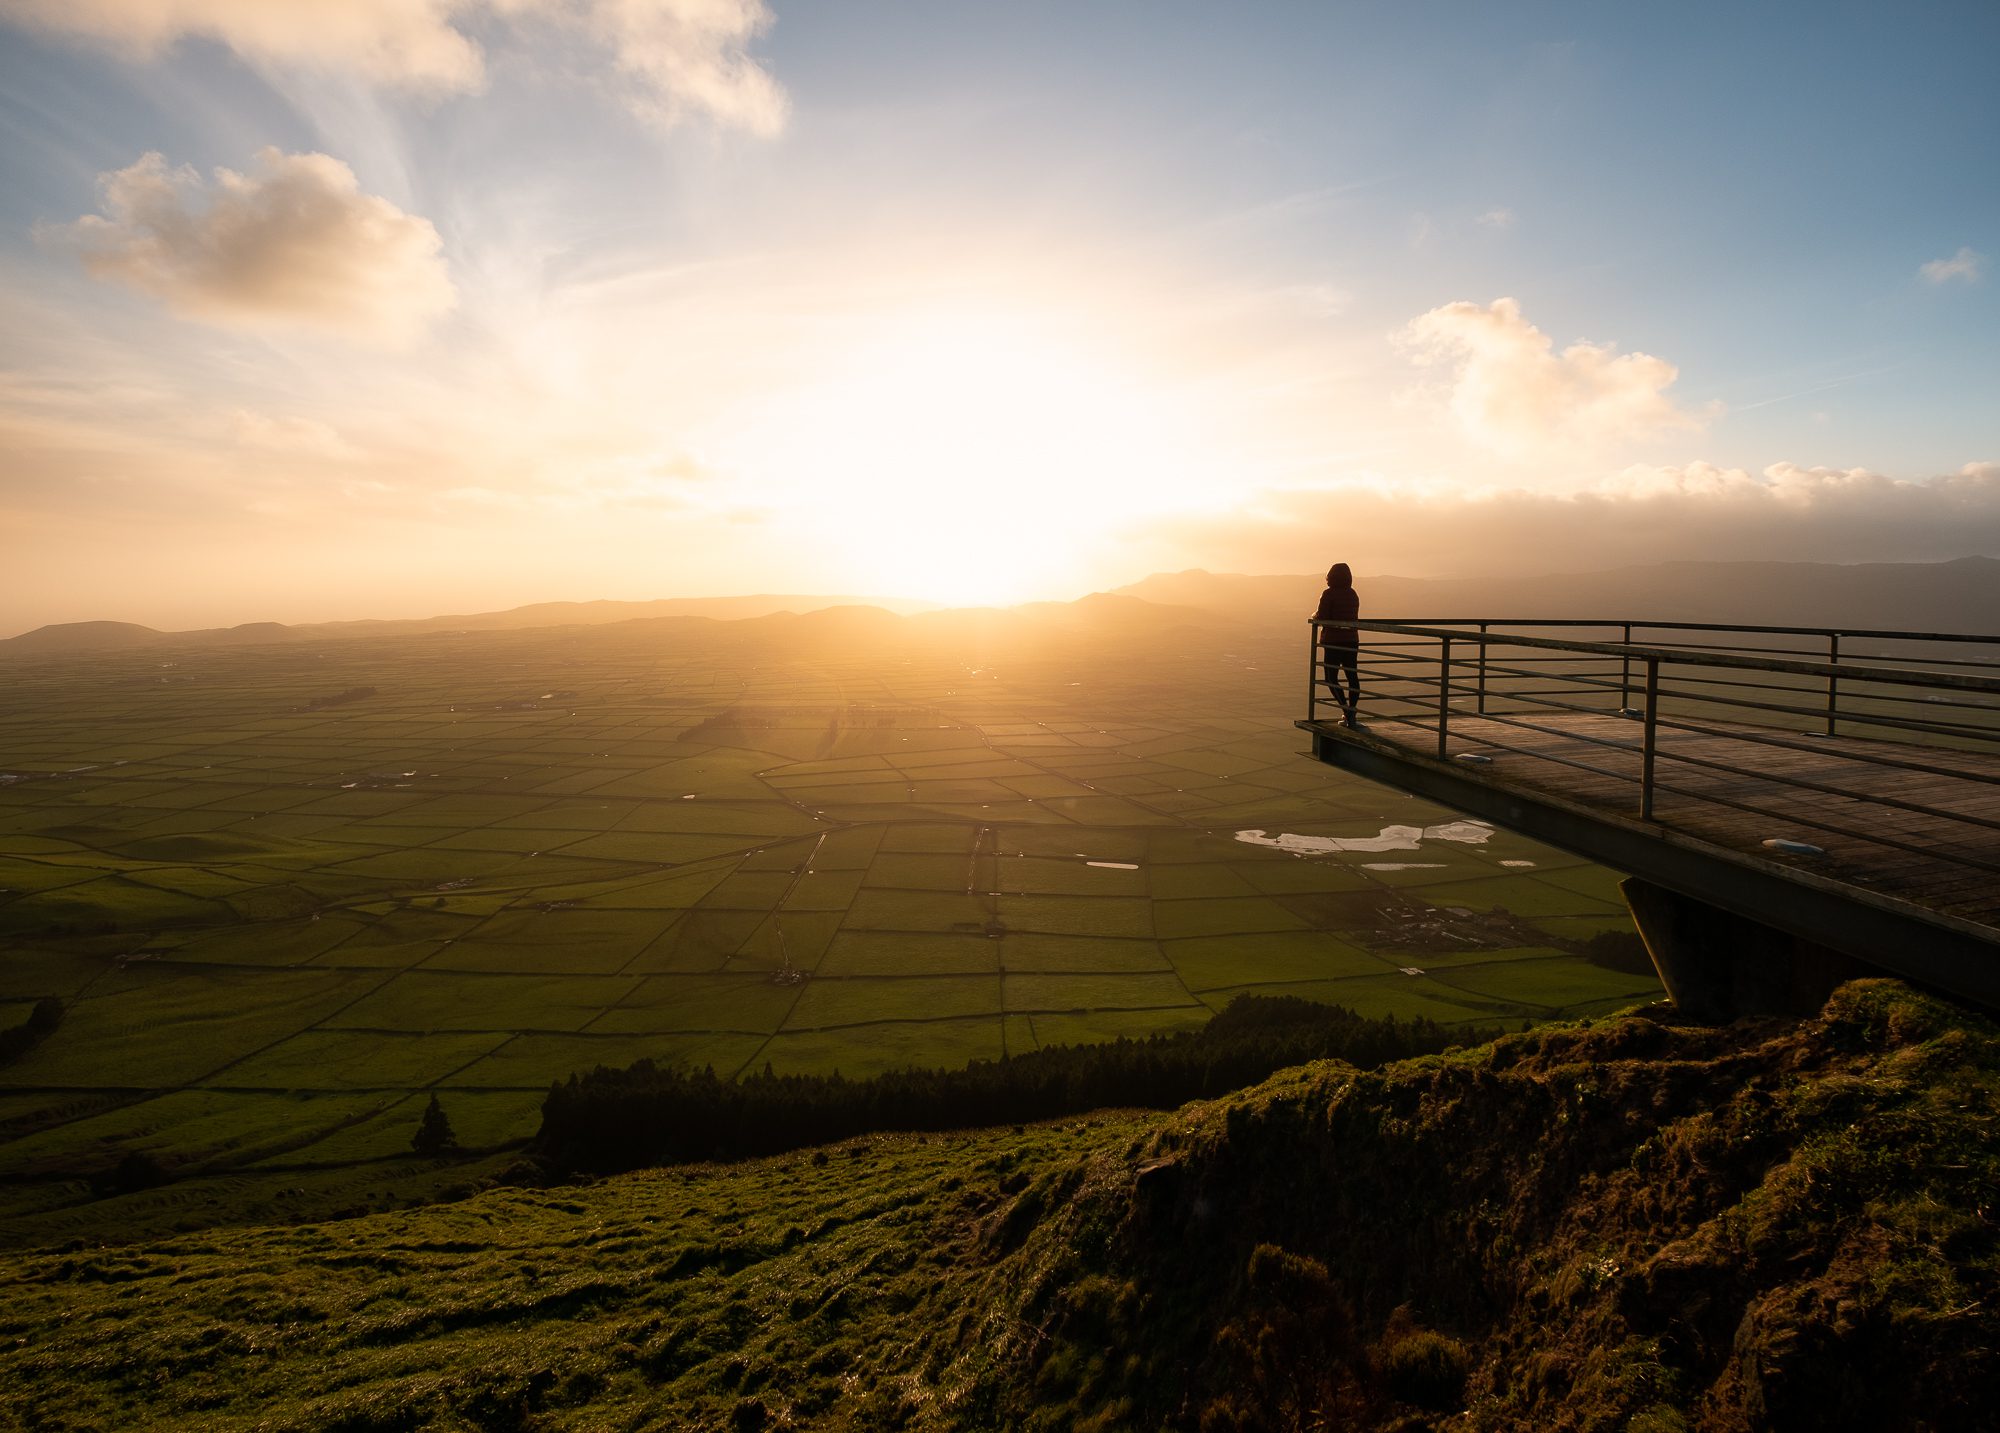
(505, 302)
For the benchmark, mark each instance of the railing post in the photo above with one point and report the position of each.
(1312, 672)
(1832, 681)
(1444, 692)
(1625, 674)
(1652, 738)
(1482, 669)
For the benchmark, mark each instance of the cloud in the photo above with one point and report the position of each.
(408, 42)
(1513, 394)
(1502, 219)
(1316, 300)
(294, 244)
(686, 58)
(1966, 266)
(684, 468)
(1644, 514)
(691, 59)
(291, 436)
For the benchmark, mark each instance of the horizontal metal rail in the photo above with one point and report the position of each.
(1622, 624)
(1724, 717)
(1699, 657)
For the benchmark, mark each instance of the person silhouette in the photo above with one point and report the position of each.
(1340, 646)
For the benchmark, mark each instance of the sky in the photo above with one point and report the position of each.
(346, 308)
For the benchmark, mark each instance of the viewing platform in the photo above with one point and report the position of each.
(1793, 806)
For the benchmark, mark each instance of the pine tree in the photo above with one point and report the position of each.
(433, 1136)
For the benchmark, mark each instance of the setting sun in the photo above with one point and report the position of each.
(972, 458)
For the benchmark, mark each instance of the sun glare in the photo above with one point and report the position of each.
(972, 459)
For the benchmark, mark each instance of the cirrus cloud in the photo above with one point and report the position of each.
(290, 436)
(293, 244)
(686, 58)
(1512, 393)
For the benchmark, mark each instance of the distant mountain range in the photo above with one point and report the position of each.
(845, 622)
(1958, 596)
(113, 636)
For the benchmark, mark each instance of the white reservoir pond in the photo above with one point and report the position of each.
(1391, 838)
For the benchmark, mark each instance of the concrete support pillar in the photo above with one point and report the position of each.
(1717, 965)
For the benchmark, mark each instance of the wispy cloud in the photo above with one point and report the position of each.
(1501, 219)
(1288, 208)
(1841, 381)
(691, 59)
(289, 435)
(1513, 394)
(406, 42)
(685, 59)
(294, 244)
(1966, 267)
(1318, 300)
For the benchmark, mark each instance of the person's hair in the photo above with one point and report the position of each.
(1339, 576)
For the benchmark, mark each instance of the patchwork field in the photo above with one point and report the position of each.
(287, 893)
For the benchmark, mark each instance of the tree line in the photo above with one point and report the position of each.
(609, 1120)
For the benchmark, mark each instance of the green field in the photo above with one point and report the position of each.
(276, 923)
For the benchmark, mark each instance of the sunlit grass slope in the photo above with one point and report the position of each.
(1613, 1225)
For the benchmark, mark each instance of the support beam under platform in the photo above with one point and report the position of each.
(1717, 965)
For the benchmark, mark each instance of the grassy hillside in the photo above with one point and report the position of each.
(1618, 1225)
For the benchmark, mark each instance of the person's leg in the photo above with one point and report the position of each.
(1336, 660)
(1350, 661)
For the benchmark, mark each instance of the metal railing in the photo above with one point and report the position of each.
(1913, 717)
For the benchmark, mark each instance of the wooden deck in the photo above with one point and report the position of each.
(1722, 792)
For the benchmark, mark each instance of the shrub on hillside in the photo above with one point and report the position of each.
(136, 1171)
(1426, 1368)
(434, 1133)
(40, 1024)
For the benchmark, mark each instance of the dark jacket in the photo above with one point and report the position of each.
(1338, 604)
